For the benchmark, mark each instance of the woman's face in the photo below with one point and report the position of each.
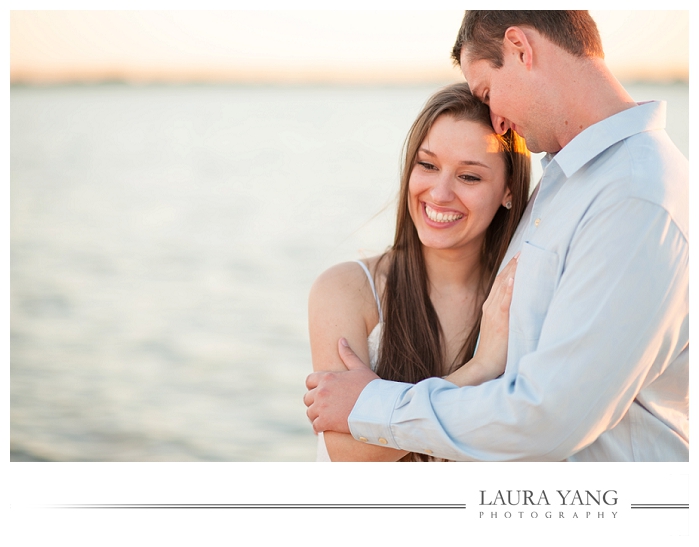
(457, 184)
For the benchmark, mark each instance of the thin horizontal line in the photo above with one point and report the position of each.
(258, 506)
(659, 506)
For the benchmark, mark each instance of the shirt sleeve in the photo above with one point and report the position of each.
(617, 318)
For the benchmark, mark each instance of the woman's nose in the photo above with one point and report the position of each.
(442, 190)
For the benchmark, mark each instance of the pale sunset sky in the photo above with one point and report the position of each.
(297, 46)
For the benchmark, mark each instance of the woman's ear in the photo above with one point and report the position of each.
(507, 199)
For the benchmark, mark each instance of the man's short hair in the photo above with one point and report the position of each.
(482, 32)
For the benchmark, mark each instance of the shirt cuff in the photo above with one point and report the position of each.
(370, 419)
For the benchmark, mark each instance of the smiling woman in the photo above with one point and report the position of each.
(415, 311)
(457, 185)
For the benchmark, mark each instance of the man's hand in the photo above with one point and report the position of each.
(331, 395)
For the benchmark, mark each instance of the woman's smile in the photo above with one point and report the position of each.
(440, 216)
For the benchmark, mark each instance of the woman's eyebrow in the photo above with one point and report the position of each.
(474, 162)
(463, 162)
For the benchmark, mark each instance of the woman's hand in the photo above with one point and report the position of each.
(491, 355)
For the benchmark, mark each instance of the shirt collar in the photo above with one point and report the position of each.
(597, 138)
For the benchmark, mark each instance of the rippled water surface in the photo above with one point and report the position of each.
(163, 242)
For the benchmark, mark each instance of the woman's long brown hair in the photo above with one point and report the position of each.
(411, 344)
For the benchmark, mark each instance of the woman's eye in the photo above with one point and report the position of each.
(426, 165)
(470, 179)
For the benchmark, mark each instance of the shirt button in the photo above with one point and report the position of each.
(383, 441)
(363, 439)
(537, 221)
(428, 451)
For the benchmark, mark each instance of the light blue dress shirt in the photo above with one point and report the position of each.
(598, 355)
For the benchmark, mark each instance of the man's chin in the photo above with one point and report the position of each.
(534, 149)
(532, 145)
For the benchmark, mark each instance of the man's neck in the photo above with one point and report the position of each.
(592, 95)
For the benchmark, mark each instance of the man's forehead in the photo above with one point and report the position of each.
(475, 72)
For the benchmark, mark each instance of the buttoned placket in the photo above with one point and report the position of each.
(551, 181)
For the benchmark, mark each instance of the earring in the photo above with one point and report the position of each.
(508, 205)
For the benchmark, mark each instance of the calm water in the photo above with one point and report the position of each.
(163, 242)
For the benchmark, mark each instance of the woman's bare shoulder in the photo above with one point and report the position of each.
(351, 274)
(346, 276)
(344, 288)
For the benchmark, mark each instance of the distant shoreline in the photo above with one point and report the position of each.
(31, 82)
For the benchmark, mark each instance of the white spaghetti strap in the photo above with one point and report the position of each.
(373, 288)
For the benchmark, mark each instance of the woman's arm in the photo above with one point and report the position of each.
(341, 304)
(491, 354)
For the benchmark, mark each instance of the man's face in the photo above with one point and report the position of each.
(506, 91)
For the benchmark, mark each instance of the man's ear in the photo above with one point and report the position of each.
(516, 42)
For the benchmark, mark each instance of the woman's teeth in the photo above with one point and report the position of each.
(441, 217)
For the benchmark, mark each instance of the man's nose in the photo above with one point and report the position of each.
(500, 124)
